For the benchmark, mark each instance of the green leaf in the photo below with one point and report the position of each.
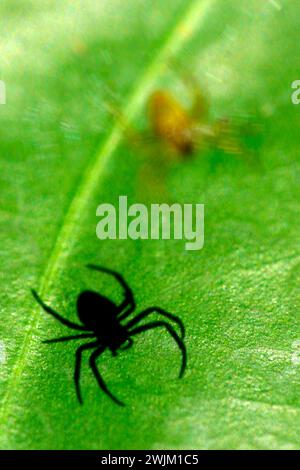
(63, 154)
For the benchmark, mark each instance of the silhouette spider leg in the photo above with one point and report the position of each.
(170, 329)
(128, 311)
(95, 354)
(160, 311)
(56, 315)
(129, 300)
(78, 356)
(127, 345)
(116, 275)
(68, 338)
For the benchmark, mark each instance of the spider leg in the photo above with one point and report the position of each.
(68, 338)
(129, 300)
(134, 137)
(160, 311)
(78, 356)
(127, 345)
(95, 354)
(170, 329)
(200, 106)
(56, 315)
(128, 311)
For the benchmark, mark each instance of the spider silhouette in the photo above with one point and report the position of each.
(101, 320)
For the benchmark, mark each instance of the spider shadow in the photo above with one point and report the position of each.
(103, 321)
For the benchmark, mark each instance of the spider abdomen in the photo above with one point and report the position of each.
(95, 311)
(101, 322)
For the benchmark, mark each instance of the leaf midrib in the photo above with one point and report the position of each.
(181, 33)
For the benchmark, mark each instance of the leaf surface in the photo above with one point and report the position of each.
(62, 154)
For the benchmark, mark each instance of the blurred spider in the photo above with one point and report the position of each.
(183, 130)
(101, 320)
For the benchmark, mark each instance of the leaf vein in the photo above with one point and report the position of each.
(181, 33)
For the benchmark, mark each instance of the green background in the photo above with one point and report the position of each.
(62, 154)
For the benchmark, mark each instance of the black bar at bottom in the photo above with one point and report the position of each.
(140, 458)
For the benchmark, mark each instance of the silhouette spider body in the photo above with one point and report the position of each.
(101, 320)
(100, 315)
